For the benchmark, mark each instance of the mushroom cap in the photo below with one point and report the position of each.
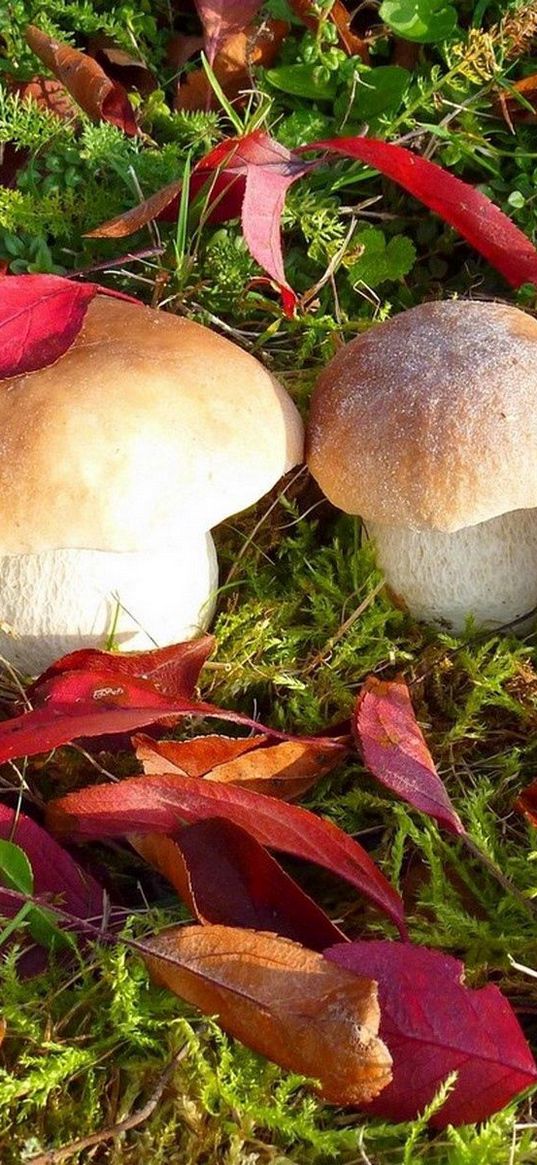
(429, 421)
(150, 427)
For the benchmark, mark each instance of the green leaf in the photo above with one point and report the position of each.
(303, 81)
(425, 21)
(379, 90)
(381, 261)
(15, 869)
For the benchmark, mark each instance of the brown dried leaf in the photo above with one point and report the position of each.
(93, 91)
(139, 216)
(131, 72)
(285, 770)
(232, 66)
(283, 1000)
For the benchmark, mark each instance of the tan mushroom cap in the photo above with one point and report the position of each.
(148, 426)
(429, 421)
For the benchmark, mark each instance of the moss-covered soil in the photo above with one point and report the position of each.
(87, 1045)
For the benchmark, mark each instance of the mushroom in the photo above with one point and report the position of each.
(115, 463)
(426, 426)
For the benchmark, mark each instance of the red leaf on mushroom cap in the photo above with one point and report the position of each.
(433, 1025)
(40, 317)
(160, 804)
(395, 752)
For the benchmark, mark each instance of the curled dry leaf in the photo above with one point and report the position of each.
(85, 80)
(132, 72)
(232, 66)
(162, 803)
(285, 770)
(225, 876)
(2, 1030)
(434, 1025)
(166, 199)
(395, 751)
(284, 1001)
(222, 19)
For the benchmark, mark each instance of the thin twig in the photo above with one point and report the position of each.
(54, 1156)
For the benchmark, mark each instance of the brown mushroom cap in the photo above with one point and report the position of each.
(429, 421)
(148, 426)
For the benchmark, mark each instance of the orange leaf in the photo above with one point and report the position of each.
(48, 94)
(511, 108)
(232, 66)
(93, 91)
(286, 770)
(281, 999)
(138, 217)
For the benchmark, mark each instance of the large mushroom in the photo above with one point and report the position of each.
(115, 463)
(426, 426)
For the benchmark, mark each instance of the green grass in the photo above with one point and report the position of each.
(87, 1045)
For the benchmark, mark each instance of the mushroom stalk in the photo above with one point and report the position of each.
(488, 571)
(61, 600)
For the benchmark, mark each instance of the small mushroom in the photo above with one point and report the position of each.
(115, 463)
(426, 426)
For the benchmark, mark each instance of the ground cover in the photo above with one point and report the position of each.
(302, 617)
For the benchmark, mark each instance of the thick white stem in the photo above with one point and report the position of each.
(488, 571)
(60, 600)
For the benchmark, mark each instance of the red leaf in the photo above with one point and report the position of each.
(527, 803)
(266, 171)
(57, 877)
(222, 18)
(395, 752)
(476, 218)
(434, 1025)
(156, 804)
(84, 79)
(50, 95)
(40, 317)
(233, 880)
(173, 671)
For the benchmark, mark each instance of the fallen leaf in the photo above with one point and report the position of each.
(434, 1025)
(339, 15)
(132, 72)
(192, 758)
(173, 671)
(40, 317)
(225, 876)
(221, 19)
(284, 1001)
(58, 879)
(285, 770)
(527, 803)
(511, 107)
(50, 95)
(232, 66)
(160, 804)
(473, 215)
(250, 176)
(2, 1030)
(394, 750)
(181, 48)
(166, 199)
(87, 83)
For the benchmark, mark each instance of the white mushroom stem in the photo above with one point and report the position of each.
(61, 600)
(488, 571)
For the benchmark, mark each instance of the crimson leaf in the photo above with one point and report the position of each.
(433, 1025)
